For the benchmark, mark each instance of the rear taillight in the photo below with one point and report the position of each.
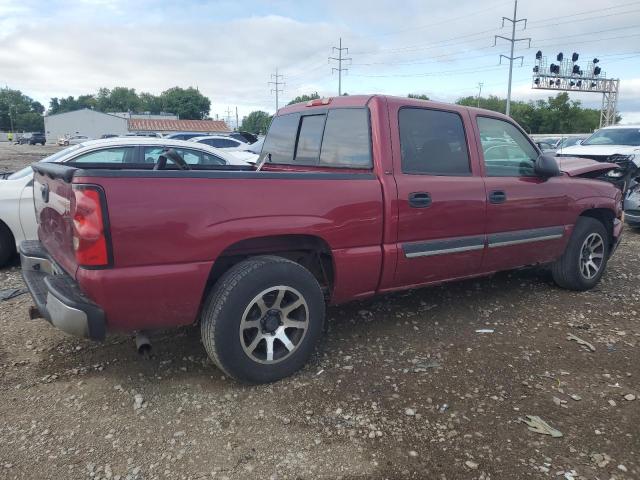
(90, 240)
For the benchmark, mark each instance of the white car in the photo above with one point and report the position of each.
(72, 140)
(617, 144)
(17, 215)
(220, 141)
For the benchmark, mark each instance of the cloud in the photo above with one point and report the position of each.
(229, 49)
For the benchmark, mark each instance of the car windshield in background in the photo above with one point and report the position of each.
(51, 158)
(615, 136)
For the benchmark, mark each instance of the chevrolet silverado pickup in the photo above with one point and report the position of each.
(351, 197)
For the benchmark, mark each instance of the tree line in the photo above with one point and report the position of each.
(557, 114)
(186, 103)
(19, 112)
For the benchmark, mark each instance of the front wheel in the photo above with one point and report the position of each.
(583, 262)
(263, 319)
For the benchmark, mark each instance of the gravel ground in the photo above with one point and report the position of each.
(404, 386)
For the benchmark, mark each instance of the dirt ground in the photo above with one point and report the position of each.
(404, 386)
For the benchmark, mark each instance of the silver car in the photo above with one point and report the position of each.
(632, 205)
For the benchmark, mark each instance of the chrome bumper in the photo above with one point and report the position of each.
(57, 296)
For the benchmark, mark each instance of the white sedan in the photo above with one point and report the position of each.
(17, 216)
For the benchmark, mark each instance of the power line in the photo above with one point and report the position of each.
(276, 84)
(340, 59)
(597, 10)
(513, 40)
(440, 22)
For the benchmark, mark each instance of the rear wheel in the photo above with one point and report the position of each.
(583, 262)
(7, 245)
(263, 319)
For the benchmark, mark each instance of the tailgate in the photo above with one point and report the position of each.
(54, 203)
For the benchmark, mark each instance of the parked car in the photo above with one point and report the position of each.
(571, 141)
(72, 140)
(245, 137)
(221, 141)
(546, 147)
(632, 205)
(109, 135)
(184, 135)
(17, 217)
(32, 139)
(352, 197)
(256, 147)
(144, 134)
(619, 144)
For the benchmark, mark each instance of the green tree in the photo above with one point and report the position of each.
(60, 105)
(187, 103)
(555, 115)
(418, 96)
(304, 98)
(21, 111)
(120, 99)
(150, 103)
(256, 122)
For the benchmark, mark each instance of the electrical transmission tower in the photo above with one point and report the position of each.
(513, 40)
(228, 117)
(277, 83)
(480, 84)
(339, 59)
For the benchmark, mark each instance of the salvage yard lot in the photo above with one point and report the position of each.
(403, 387)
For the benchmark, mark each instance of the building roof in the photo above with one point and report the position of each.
(140, 125)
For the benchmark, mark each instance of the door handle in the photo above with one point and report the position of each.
(419, 199)
(498, 196)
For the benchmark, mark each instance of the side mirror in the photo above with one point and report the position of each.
(546, 166)
(579, 142)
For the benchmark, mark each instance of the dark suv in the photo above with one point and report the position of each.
(33, 138)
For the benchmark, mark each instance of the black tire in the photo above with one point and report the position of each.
(567, 271)
(7, 245)
(232, 301)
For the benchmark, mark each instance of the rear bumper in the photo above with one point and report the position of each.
(57, 296)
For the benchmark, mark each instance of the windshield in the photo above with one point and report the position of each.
(615, 136)
(51, 158)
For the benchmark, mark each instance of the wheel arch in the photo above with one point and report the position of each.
(310, 251)
(605, 216)
(4, 228)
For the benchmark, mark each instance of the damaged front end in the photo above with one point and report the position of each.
(618, 169)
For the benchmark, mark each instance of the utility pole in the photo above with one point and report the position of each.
(277, 83)
(237, 121)
(228, 117)
(513, 41)
(339, 59)
(479, 92)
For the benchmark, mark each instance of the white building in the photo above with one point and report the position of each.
(94, 124)
(83, 122)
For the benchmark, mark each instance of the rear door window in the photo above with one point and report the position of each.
(108, 155)
(221, 142)
(433, 142)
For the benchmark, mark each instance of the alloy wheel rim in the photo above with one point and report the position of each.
(591, 255)
(274, 324)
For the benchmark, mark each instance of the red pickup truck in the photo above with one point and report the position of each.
(351, 197)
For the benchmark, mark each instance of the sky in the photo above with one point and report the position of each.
(229, 49)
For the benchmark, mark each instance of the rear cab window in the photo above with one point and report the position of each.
(335, 138)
